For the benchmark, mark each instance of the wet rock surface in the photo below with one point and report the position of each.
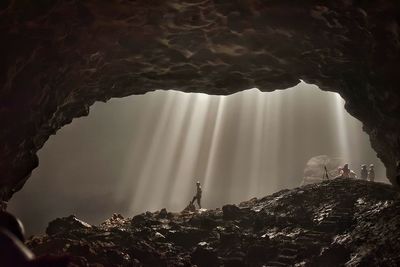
(334, 223)
(59, 56)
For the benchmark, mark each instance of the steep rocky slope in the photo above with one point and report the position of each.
(60, 56)
(338, 222)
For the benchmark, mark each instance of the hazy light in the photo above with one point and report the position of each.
(185, 173)
(342, 127)
(146, 152)
(212, 154)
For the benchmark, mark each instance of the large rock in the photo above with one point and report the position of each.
(60, 56)
(232, 212)
(205, 256)
(61, 225)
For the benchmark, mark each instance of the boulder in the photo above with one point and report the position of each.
(231, 212)
(65, 224)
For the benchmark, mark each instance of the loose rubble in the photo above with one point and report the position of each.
(338, 222)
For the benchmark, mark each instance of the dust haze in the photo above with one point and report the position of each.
(146, 152)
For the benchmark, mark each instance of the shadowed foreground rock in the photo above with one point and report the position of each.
(339, 222)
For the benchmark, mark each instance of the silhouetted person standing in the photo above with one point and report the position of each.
(371, 173)
(364, 172)
(198, 195)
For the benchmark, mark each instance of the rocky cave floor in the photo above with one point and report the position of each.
(334, 223)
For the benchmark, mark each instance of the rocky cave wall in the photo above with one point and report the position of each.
(60, 56)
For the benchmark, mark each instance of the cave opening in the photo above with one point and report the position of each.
(146, 152)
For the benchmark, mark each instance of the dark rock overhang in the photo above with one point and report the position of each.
(59, 57)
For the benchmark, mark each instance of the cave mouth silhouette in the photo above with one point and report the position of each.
(145, 152)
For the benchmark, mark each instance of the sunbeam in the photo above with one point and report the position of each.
(185, 174)
(341, 127)
(150, 150)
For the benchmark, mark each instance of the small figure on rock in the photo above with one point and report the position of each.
(345, 172)
(364, 172)
(198, 195)
(371, 173)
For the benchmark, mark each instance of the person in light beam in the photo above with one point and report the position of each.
(364, 172)
(198, 195)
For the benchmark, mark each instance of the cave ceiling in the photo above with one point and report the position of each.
(59, 57)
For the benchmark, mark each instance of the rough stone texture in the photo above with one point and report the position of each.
(60, 56)
(342, 222)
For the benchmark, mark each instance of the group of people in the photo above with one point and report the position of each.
(367, 174)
